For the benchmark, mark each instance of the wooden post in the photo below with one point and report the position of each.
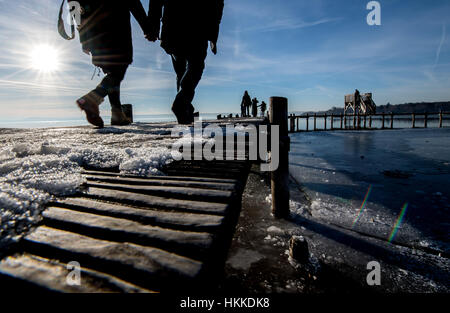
(414, 120)
(365, 121)
(345, 120)
(354, 120)
(392, 120)
(307, 122)
(383, 120)
(440, 119)
(315, 121)
(342, 121)
(280, 177)
(426, 120)
(292, 128)
(332, 121)
(298, 124)
(370, 121)
(325, 122)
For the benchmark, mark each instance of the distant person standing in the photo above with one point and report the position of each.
(187, 27)
(263, 109)
(245, 104)
(255, 107)
(357, 98)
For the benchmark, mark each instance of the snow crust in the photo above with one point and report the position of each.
(38, 164)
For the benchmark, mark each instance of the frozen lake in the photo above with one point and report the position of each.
(364, 180)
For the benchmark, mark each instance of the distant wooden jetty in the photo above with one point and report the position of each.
(358, 121)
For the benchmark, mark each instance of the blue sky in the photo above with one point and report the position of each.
(312, 52)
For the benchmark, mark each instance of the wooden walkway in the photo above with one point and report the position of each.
(134, 234)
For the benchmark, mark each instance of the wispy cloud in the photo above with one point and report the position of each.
(289, 24)
(443, 38)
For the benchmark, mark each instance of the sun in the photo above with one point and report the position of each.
(45, 58)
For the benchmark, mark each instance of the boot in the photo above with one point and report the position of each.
(183, 113)
(118, 118)
(89, 103)
(195, 114)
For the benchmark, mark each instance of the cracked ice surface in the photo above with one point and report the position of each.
(37, 164)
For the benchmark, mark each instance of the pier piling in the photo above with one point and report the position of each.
(280, 177)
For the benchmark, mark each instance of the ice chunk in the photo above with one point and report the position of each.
(275, 230)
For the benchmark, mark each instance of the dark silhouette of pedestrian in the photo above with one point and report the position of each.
(245, 104)
(255, 107)
(357, 98)
(105, 34)
(263, 109)
(187, 27)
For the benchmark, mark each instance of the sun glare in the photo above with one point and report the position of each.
(45, 58)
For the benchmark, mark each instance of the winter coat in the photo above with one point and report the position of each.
(186, 24)
(105, 30)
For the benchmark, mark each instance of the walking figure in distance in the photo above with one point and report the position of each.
(105, 34)
(187, 27)
(245, 104)
(255, 107)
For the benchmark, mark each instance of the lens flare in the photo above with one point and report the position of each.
(398, 223)
(363, 206)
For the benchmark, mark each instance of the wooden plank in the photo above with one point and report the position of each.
(162, 183)
(155, 202)
(173, 220)
(203, 173)
(148, 267)
(170, 178)
(32, 272)
(220, 196)
(187, 243)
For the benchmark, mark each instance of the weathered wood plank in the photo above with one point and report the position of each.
(43, 274)
(191, 244)
(220, 196)
(148, 267)
(162, 183)
(174, 220)
(155, 202)
(171, 178)
(203, 173)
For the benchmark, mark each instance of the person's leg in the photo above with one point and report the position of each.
(191, 79)
(179, 65)
(187, 85)
(110, 86)
(189, 74)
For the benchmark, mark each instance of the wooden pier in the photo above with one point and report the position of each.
(135, 234)
(342, 121)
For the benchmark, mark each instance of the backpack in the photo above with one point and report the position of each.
(86, 10)
(61, 28)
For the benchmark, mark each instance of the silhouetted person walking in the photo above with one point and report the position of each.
(105, 33)
(187, 26)
(255, 107)
(245, 104)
